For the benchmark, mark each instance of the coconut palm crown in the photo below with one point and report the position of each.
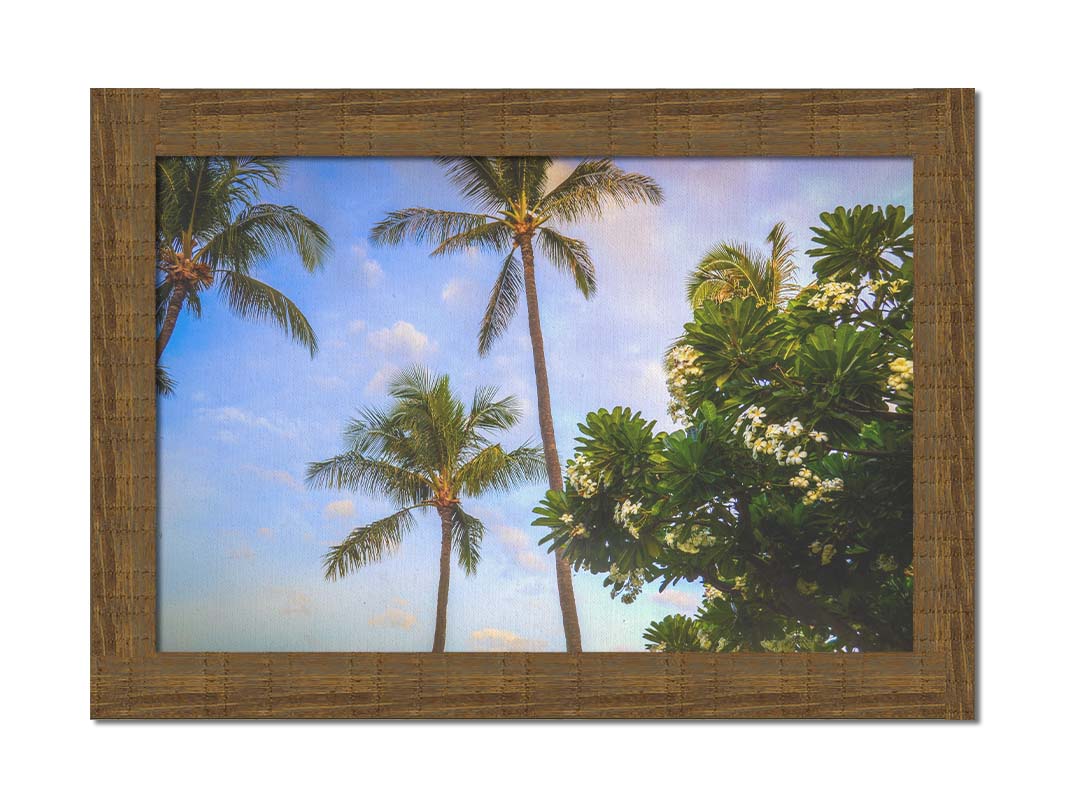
(212, 232)
(427, 450)
(515, 210)
(732, 269)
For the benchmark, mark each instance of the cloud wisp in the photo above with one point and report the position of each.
(339, 509)
(395, 615)
(497, 640)
(402, 339)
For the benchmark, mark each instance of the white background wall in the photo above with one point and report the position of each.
(51, 57)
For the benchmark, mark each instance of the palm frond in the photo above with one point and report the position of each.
(368, 544)
(256, 300)
(734, 269)
(525, 178)
(425, 224)
(430, 414)
(503, 300)
(497, 469)
(594, 183)
(259, 231)
(571, 256)
(356, 472)
(467, 535)
(477, 179)
(488, 413)
(164, 383)
(491, 237)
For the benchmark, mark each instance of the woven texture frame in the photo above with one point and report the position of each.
(131, 128)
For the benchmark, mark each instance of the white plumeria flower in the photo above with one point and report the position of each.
(818, 436)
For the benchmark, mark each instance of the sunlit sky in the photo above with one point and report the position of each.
(241, 538)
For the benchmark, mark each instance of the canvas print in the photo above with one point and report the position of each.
(534, 404)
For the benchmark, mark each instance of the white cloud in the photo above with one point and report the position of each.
(266, 533)
(495, 639)
(231, 415)
(512, 536)
(403, 339)
(340, 508)
(296, 604)
(370, 269)
(357, 326)
(456, 291)
(532, 560)
(676, 599)
(518, 544)
(279, 476)
(329, 382)
(380, 379)
(394, 617)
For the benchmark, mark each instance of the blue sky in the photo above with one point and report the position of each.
(241, 539)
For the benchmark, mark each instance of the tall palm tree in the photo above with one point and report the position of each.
(515, 209)
(211, 230)
(426, 451)
(731, 269)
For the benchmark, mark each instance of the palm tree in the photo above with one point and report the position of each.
(735, 270)
(213, 231)
(425, 451)
(514, 209)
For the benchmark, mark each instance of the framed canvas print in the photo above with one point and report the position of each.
(532, 404)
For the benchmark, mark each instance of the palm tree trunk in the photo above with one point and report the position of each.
(174, 307)
(564, 585)
(442, 581)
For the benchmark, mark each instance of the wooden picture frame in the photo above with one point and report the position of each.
(130, 128)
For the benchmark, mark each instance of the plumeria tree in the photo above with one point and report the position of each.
(787, 491)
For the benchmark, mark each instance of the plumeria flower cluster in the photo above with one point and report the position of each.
(627, 515)
(894, 287)
(578, 531)
(903, 374)
(712, 593)
(682, 368)
(580, 474)
(773, 439)
(822, 490)
(885, 563)
(827, 551)
(741, 585)
(833, 296)
(690, 544)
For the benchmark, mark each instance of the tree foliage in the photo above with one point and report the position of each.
(732, 269)
(427, 450)
(788, 490)
(514, 201)
(213, 231)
